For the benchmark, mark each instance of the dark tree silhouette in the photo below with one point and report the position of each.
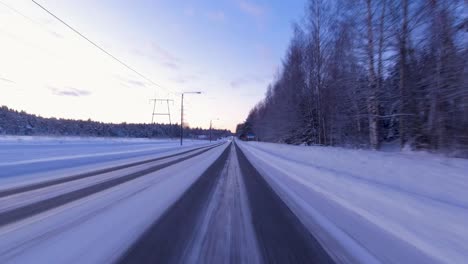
(366, 72)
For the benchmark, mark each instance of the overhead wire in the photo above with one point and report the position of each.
(96, 45)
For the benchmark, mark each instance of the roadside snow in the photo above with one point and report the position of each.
(100, 227)
(27, 158)
(390, 207)
(21, 199)
(77, 140)
(15, 150)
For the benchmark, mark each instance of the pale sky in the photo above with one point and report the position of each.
(228, 49)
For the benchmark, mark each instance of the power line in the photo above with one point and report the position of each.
(17, 12)
(96, 45)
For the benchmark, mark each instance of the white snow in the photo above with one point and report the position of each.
(17, 200)
(100, 227)
(31, 159)
(363, 206)
(73, 139)
(16, 150)
(379, 207)
(226, 228)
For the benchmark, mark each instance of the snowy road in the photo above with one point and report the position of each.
(372, 207)
(228, 203)
(230, 215)
(202, 204)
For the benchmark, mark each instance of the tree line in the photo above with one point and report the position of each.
(366, 72)
(21, 123)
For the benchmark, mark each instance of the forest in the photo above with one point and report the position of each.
(21, 123)
(364, 73)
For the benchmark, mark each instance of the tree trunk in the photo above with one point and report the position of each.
(381, 46)
(372, 102)
(402, 84)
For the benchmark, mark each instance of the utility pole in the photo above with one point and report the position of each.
(211, 126)
(168, 113)
(182, 116)
(182, 120)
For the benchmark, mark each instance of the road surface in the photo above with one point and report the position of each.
(203, 204)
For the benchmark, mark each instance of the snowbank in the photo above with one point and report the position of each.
(4, 139)
(396, 207)
(24, 158)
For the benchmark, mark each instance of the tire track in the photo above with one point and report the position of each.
(30, 187)
(226, 233)
(168, 238)
(281, 236)
(31, 209)
(228, 217)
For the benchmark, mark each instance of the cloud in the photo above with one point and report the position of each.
(136, 83)
(160, 55)
(56, 34)
(248, 79)
(181, 79)
(171, 65)
(6, 80)
(216, 16)
(69, 91)
(41, 22)
(163, 54)
(251, 8)
(166, 58)
(130, 82)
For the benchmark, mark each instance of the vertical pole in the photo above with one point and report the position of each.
(210, 129)
(154, 109)
(182, 119)
(169, 112)
(171, 130)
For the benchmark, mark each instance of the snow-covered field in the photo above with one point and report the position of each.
(24, 158)
(372, 207)
(100, 227)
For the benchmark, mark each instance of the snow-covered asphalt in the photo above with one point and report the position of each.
(233, 202)
(230, 215)
(370, 206)
(204, 204)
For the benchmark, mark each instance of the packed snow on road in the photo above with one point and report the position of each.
(391, 207)
(361, 206)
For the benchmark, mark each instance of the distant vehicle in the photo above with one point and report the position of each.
(251, 137)
(248, 137)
